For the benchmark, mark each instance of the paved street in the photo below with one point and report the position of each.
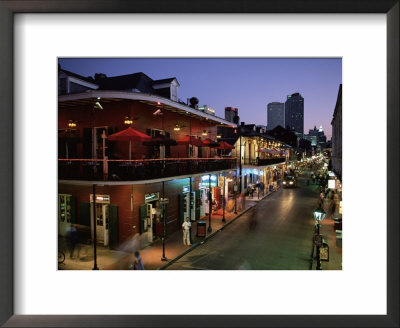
(275, 235)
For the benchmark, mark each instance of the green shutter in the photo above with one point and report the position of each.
(143, 215)
(113, 232)
(84, 209)
(73, 209)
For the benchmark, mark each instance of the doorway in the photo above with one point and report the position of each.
(102, 218)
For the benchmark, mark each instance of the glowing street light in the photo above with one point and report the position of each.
(319, 214)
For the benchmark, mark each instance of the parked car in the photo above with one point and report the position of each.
(289, 182)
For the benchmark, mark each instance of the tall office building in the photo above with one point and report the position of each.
(276, 115)
(230, 113)
(294, 113)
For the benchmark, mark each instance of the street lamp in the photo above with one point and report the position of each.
(209, 204)
(223, 204)
(234, 194)
(319, 215)
(163, 204)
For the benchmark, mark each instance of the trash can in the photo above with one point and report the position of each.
(201, 229)
(271, 187)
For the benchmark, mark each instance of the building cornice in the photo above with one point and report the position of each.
(82, 98)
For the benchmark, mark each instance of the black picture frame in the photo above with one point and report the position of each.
(10, 7)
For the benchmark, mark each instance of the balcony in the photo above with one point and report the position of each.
(264, 161)
(134, 170)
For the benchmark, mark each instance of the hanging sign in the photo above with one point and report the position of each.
(100, 198)
(151, 197)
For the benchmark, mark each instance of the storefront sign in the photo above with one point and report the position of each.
(332, 184)
(209, 180)
(151, 197)
(324, 252)
(100, 198)
(186, 189)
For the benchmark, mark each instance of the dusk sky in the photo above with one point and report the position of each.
(248, 84)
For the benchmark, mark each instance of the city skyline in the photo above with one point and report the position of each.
(248, 84)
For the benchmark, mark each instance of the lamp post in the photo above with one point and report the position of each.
(94, 230)
(164, 214)
(209, 204)
(319, 215)
(223, 204)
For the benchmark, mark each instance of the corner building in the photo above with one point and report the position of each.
(129, 181)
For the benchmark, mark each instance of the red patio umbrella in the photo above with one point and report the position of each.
(225, 145)
(130, 135)
(190, 141)
(210, 143)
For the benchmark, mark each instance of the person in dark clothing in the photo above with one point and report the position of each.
(72, 239)
(138, 264)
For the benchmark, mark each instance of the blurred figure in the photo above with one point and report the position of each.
(138, 264)
(72, 240)
(186, 232)
(332, 208)
(321, 196)
(131, 245)
(252, 221)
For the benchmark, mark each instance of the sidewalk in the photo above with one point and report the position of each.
(327, 230)
(174, 248)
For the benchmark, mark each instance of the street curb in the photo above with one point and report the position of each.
(212, 235)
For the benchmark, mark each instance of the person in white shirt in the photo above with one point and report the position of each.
(186, 231)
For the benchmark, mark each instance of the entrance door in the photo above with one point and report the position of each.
(102, 223)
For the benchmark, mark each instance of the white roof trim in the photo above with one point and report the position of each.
(142, 96)
(82, 82)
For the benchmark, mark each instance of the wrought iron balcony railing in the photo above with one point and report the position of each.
(264, 161)
(146, 169)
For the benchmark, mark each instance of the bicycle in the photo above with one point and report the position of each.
(61, 257)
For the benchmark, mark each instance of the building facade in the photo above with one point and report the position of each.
(337, 136)
(230, 113)
(294, 113)
(135, 185)
(275, 115)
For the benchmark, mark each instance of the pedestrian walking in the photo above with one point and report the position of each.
(322, 196)
(72, 239)
(186, 232)
(138, 263)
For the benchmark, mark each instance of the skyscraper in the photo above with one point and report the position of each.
(276, 115)
(294, 113)
(230, 113)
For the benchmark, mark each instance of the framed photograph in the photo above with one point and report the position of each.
(35, 34)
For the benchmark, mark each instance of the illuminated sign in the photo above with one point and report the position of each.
(100, 198)
(151, 197)
(186, 189)
(332, 184)
(209, 181)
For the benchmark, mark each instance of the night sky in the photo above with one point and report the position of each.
(248, 84)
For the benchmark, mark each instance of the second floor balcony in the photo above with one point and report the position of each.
(264, 161)
(135, 170)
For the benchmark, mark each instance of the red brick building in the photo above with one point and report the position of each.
(131, 182)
